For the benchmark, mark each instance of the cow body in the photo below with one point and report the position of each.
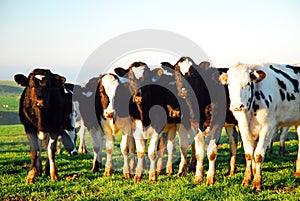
(44, 109)
(153, 113)
(211, 99)
(263, 97)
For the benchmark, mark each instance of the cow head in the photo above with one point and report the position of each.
(138, 74)
(241, 80)
(42, 94)
(108, 84)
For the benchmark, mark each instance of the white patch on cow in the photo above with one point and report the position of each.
(154, 79)
(212, 146)
(110, 84)
(123, 80)
(39, 77)
(138, 71)
(185, 66)
(168, 73)
(172, 83)
(41, 135)
(87, 94)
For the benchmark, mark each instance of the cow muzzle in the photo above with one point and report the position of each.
(109, 114)
(238, 107)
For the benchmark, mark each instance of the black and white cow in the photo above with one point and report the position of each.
(96, 102)
(282, 136)
(263, 97)
(150, 107)
(44, 109)
(211, 100)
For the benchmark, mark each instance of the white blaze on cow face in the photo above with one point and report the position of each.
(138, 71)
(39, 77)
(110, 84)
(239, 85)
(185, 66)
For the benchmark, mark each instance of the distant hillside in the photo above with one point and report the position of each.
(10, 94)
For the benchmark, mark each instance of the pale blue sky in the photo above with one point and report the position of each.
(62, 34)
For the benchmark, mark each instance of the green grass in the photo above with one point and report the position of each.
(278, 180)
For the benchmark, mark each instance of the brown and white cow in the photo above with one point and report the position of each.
(262, 98)
(44, 109)
(211, 100)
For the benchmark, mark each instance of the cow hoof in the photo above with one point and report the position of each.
(297, 174)
(246, 182)
(169, 170)
(231, 173)
(210, 180)
(96, 167)
(54, 177)
(107, 172)
(31, 176)
(198, 179)
(137, 178)
(257, 188)
(152, 177)
(158, 172)
(126, 175)
(183, 171)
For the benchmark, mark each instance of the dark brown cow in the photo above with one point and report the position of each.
(45, 108)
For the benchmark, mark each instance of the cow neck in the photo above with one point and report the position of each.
(179, 84)
(133, 87)
(251, 95)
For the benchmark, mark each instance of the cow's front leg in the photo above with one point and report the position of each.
(35, 155)
(109, 151)
(81, 132)
(200, 147)
(233, 141)
(297, 173)
(152, 149)
(141, 149)
(160, 154)
(51, 155)
(97, 143)
(212, 152)
(171, 148)
(183, 144)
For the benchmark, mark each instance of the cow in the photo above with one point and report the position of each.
(152, 110)
(211, 100)
(44, 110)
(96, 102)
(262, 98)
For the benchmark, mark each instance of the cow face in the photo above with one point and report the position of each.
(41, 95)
(138, 74)
(108, 84)
(241, 80)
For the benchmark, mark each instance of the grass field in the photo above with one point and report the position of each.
(77, 182)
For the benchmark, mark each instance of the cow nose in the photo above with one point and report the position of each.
(39, 103)
(109, 114)
(238, 107)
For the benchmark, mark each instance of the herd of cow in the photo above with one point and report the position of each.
(195, 101)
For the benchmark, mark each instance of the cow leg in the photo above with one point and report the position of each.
(81, 132)
(160, 154)
(109, 150)
(68, 139)
(170, 148)
(59, 149)
(140, 148)
(283, 133)
(297, 173)
(124, 149)
(265, 136)
(200, 146)
(131, 144)
(35, 151)
(183, 144)
(97, 143)
(51, 155)
(152, 150)
(233, 141)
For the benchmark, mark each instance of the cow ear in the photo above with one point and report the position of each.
(59, 80)
(21, 80)
(166, 65)
(223, 78)
(204, 65)
(121, 71)
(257, 76)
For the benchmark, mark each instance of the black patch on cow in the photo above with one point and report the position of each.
(270, 98)
(293, 81)
(257, 95)
(282, 95)
(290, 97)
(255, 107)
(296, 69)
(281, 83)
(267, 103)
(262, 95)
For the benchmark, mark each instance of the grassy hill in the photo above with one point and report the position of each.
(10, 94)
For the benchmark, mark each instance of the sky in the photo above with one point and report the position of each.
(61, 35)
